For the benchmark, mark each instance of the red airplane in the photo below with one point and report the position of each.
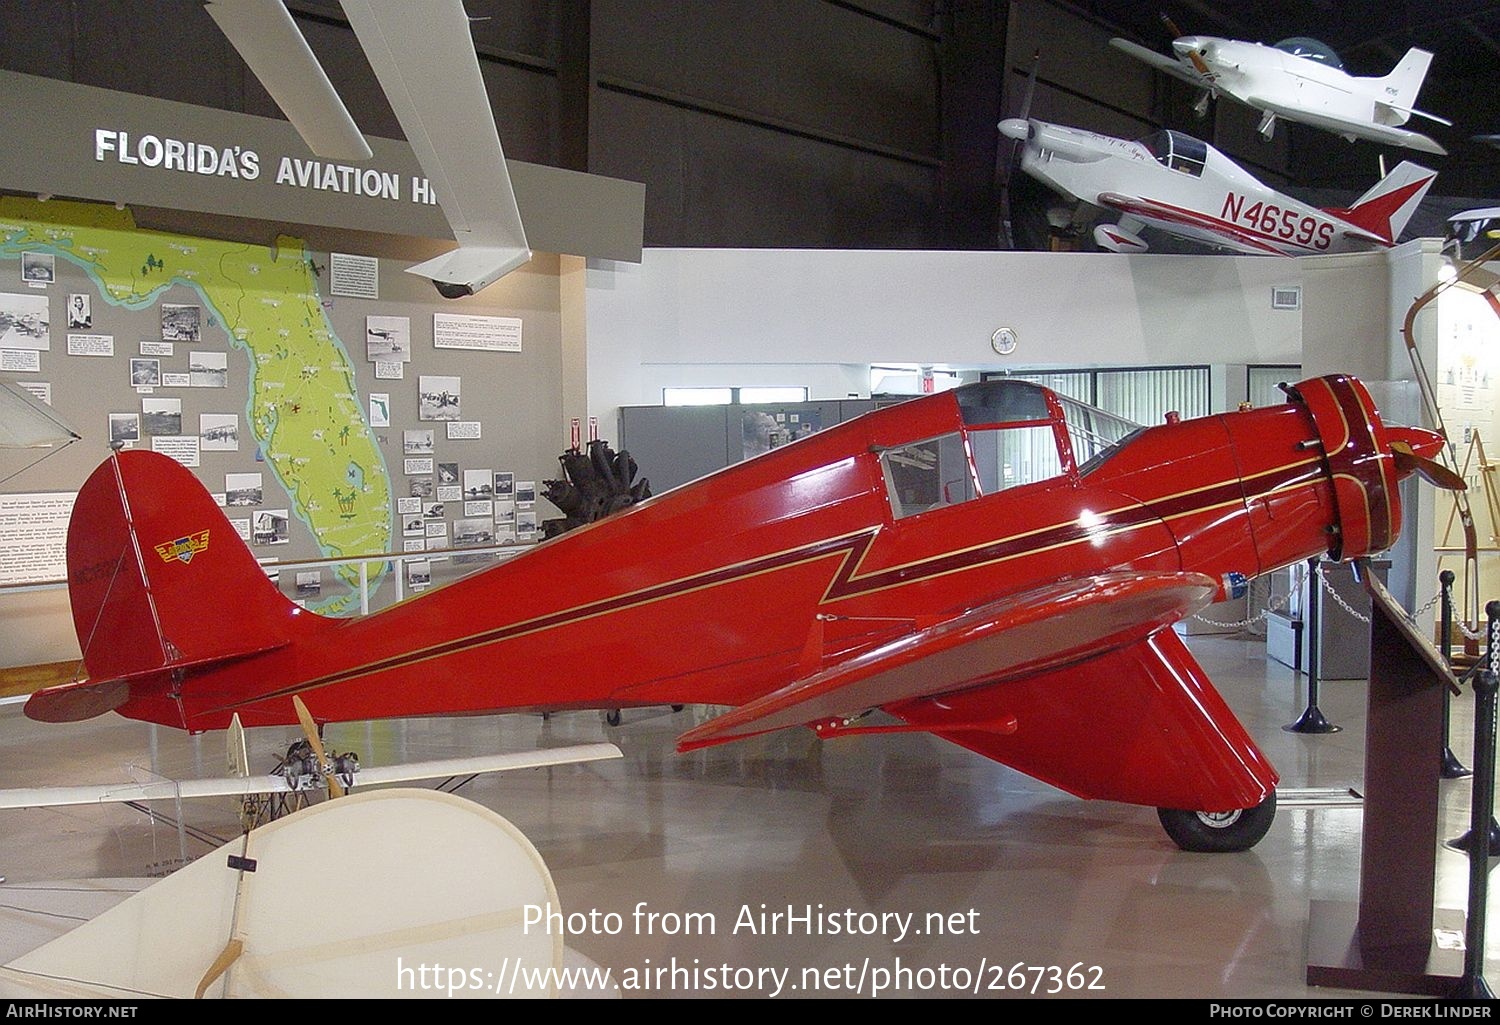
(974, 564)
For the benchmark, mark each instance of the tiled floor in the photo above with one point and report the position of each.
(895, 824)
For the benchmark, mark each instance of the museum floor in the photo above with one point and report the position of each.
(901, 824)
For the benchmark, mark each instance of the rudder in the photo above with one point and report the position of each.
(1400, 87)
(157, 577)
(1384, 210)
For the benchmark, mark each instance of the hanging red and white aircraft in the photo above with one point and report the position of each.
(1185, 187)
(1301, 80)
(978, 564)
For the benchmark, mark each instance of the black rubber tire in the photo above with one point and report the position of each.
(678, 708)
(1206, 833)
(612, 717)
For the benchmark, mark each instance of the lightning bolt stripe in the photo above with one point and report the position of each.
(847, 580)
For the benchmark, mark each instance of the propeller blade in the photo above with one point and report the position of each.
(310, 731)
(1192, 55)
(1430, 470)
(1036, 62)
(228, 956)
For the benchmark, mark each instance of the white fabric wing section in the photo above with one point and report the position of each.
(270, 42)
(423, 55)
(26, 422)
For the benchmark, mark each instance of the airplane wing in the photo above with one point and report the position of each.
(1140, 724)
(1022, 634)
(424, 56)
(271, 44)
(238, 786)
(28, 422)
(1161, 62)
(1344, 126)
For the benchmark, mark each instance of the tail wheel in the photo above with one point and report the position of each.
(1219, 832)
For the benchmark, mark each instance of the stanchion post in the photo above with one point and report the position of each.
(1312, 719)
(1449, 767)
(1486, 685)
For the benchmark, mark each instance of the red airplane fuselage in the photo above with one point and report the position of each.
(881, 563)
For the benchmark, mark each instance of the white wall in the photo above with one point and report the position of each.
(818, 318)
(1354, 308)
(708, 316)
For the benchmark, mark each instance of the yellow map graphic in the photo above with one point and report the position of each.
(304, 409)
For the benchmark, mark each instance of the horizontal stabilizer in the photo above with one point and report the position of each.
(240, 786)
(1025, 633)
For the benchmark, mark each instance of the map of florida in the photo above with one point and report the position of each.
(304, 408)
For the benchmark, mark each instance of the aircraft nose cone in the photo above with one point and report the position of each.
(1423, 443)
(1014, 128)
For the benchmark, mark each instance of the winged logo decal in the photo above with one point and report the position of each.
(184, 548)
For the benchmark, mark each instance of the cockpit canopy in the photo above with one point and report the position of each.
(1014, 433)
(1310, 49)
(1177, 151)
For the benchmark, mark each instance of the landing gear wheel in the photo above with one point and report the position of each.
(677, 708)
(612, 717)
(1219, 832)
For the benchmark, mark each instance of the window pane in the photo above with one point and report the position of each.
(1010, 458)
(927, 475)
(696, 396)
(1263, 381)
(1146, 396)
(773, 394)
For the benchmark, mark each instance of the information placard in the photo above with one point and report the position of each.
(33, 536)
(471, 331)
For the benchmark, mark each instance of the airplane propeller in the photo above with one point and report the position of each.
(1430, 470)
(1186, 50)
(310, 731)
(1015, 129)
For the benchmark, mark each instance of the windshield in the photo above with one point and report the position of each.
(1096, 434)
(1177, 151)
(1310, 49)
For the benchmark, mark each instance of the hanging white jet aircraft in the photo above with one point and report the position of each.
(1301, 80)
(1185, 187)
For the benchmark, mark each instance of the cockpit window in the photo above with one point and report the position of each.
(1012, 456)
(1310, 49)
(927, 475)
(1177, 151)
(1010, 438)
(1094, 432)
(1001, 402)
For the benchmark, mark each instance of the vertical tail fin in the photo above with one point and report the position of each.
(1385, 209)
(1398, 90)
(158, 581)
